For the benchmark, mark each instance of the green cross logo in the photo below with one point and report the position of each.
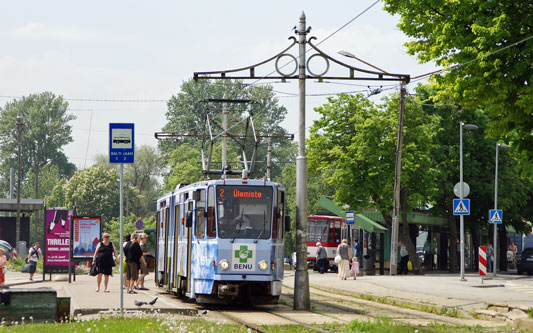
(243, 254)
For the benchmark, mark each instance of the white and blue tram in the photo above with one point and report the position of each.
(221, 241)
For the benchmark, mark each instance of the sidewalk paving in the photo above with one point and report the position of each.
(85, 300)
(442, 290)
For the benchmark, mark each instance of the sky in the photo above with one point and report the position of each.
(120, 61)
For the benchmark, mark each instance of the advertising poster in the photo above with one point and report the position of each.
(86, 236)
(57, 240)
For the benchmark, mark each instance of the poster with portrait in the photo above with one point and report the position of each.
(57, 240)
(85, 236)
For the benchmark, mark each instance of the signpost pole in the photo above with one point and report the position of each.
(496, 209)
(121, 150)
(120, 242)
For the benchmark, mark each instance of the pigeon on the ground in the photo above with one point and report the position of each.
(152, 302)
(205, 312)
(139, 303)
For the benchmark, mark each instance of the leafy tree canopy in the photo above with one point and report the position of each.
(46, 131)
(494, 42)
(93, 191)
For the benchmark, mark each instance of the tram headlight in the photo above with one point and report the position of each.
(223, 264)
(263, 265)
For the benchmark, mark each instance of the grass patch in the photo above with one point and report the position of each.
(530, 312)
(141, 323)
(449, 312)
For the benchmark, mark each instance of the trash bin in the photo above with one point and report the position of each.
(368, 263)
(63, 309)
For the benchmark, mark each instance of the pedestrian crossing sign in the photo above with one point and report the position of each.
(495, 216)
(461, 206)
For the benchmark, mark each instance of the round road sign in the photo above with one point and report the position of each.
(457, 190)
(139, 224)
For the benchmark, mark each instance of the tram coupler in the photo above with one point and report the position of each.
(228, 290)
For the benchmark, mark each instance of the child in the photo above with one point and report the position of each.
(355, 267)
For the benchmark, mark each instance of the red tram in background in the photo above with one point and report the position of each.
(329, 231)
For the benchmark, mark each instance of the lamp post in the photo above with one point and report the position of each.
(19, 130)
(496, 205)
(461, 217)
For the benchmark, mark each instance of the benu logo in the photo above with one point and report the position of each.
(243, 254)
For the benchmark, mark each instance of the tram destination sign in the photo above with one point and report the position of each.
(244, 192)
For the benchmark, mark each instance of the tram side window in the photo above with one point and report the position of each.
(337, 232)
(211, 223)
(311, 226)
(331, 235)
(177, 218)
(281, 213)
(199, 229)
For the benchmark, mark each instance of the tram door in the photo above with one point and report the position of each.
(188, 234)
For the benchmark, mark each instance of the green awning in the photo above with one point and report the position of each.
(367, 224)
(360, 220)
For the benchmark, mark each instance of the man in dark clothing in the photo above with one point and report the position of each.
(321, 258)
(134, 256)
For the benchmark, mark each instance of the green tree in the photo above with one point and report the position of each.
(479, 155)
(129, 227)
(316, 188)
(353, 144)
(46, 131)
(492, 39)
(142, 175)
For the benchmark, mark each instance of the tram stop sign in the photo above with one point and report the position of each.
(139, 224)
(350, 217)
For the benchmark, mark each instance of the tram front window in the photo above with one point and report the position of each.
(244, 212)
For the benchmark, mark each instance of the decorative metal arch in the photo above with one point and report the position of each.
(352, 71)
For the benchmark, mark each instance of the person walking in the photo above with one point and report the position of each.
(404, 258)
(3, 267)
(344, 265)
(356, 249)
(514, 250)
(33, 258)
(355, 267)
(321, 258)
(103, 259)
(490, 255)
(144, 264)
(133, 260)
(127, 242)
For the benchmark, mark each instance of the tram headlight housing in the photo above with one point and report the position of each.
(223, 264)
(263, 265)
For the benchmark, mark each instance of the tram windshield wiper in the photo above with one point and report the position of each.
(264, 227)
(238, 227)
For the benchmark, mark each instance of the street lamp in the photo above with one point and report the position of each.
(351, 55)
(461, 185)
(496, 205)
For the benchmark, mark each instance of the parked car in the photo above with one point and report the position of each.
(524, 262)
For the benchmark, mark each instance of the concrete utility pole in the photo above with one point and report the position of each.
(19, 130)
(269, 157)
(225, 134)
(301, 280)
(301, 277)
(397, 175)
